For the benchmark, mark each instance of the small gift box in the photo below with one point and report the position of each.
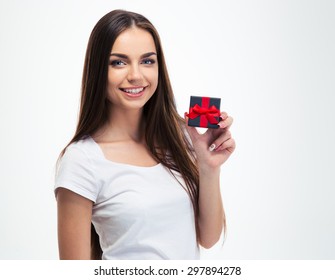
(204, 112)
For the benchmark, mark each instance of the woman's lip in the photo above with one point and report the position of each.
(133, 95)
(129, 88)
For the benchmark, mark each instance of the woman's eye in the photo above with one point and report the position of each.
(117, 63)
(148, 61)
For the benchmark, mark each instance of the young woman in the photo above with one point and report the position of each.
(134, 172)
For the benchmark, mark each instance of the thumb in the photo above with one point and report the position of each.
(192, 131)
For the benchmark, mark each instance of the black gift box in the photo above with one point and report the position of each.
(204, 112)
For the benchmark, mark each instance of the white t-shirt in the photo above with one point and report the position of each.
(138, 212)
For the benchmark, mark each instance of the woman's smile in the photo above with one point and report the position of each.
(134, 91)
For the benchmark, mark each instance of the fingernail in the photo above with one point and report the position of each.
(212, 147)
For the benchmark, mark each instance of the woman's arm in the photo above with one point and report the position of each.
(74, 225)
(211, 212)
(212, 149)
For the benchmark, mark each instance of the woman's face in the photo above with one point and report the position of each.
(133, 69)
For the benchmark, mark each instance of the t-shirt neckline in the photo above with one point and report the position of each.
(102, 155)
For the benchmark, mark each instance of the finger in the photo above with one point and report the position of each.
(229, 145)
(192, 131)
(220, 140)
(226, 123)
(223, 120)
(223, 115)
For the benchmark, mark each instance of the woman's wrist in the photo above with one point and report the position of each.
(208, 170)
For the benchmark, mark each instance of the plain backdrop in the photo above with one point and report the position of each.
(271, 62)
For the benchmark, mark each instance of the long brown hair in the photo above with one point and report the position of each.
(164, 133)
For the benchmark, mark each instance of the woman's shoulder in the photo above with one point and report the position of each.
(82, 148)
(77, 171)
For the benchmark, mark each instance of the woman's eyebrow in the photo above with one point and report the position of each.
(126, 57)
(148, 54)
(119, 55)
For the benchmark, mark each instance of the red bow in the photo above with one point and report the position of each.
(209, 113)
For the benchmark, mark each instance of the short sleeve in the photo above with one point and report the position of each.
(76, 173)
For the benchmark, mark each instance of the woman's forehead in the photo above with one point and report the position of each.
(134, 41)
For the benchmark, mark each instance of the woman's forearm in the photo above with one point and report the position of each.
(211, 212)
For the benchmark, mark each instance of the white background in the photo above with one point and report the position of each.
(271, 62)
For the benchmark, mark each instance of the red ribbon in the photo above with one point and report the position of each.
(209, 113)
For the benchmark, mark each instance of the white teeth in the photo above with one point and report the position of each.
(134, 91)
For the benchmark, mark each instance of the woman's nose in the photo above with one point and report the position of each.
(134, 73)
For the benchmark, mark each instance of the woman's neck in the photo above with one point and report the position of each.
(123, 125)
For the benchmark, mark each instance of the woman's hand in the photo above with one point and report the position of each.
(215, 146)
